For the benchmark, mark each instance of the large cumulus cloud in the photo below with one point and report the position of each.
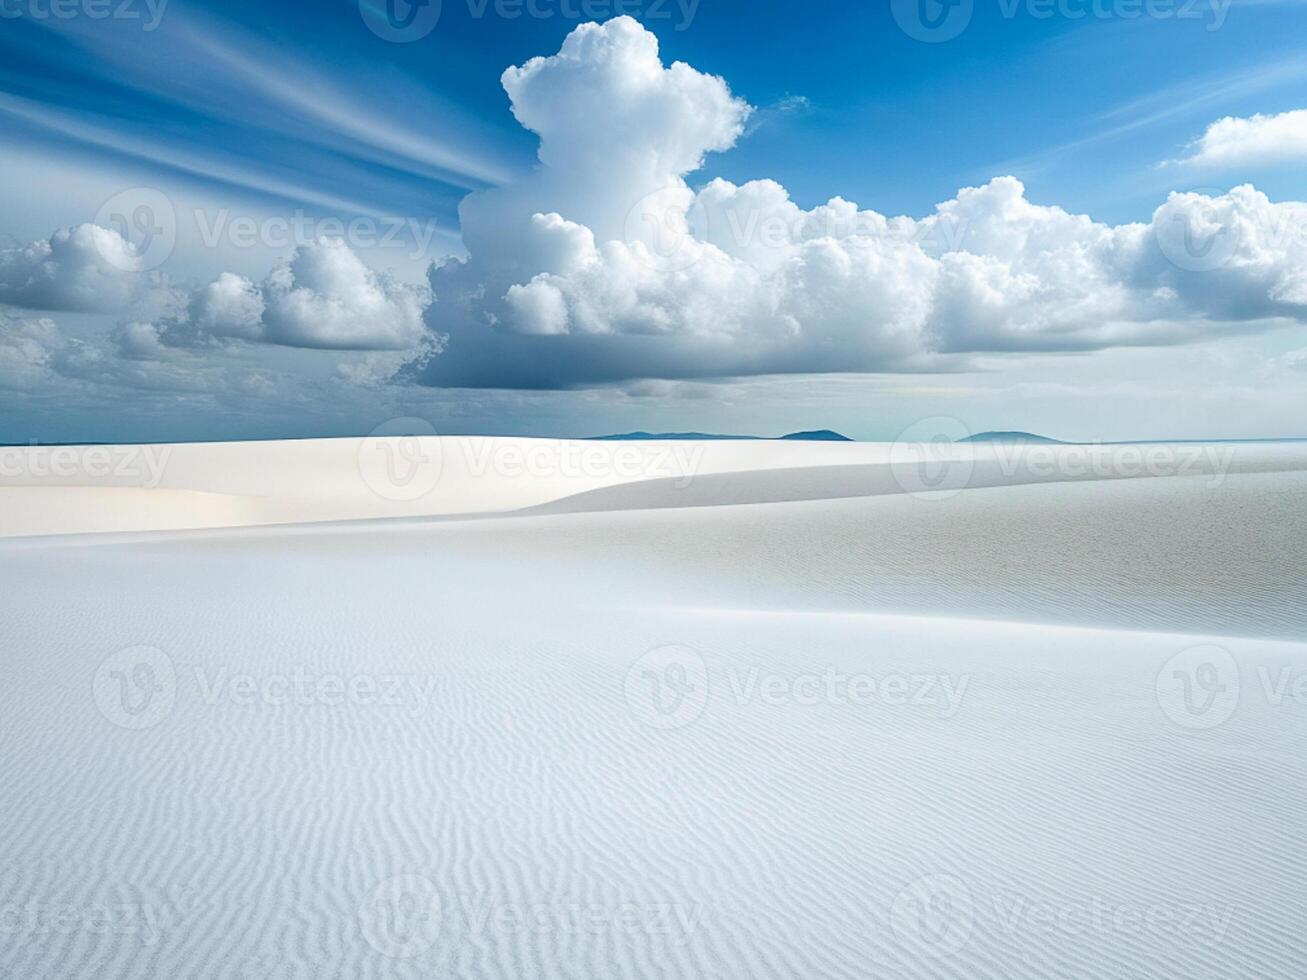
(604, 264)
(85, 268)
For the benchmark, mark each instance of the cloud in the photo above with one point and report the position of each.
(604, 266)
(322, 297)
(27, 349)
(85, 268)
(326, 297)
(1255, 141)
(788, 107)
(37, 357)
(1294, 360)
(230, 306)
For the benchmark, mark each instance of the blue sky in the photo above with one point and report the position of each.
(280, 112)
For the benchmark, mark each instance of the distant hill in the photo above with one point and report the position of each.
(1010, 437)
(814, 435)
(818, 435)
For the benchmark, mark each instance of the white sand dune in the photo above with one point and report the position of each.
(1049, 728)
(313, 480)
(76, 489)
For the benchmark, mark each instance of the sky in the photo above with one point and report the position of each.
(576, 217)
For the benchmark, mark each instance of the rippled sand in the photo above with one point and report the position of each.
(1053, 729)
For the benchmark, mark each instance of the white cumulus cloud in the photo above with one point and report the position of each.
(604, 265)
(1256, 140)
(85, 268)
(322, 297)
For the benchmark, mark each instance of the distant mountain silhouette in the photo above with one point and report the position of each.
(814, 435)
(1010, 437)
(818, 435)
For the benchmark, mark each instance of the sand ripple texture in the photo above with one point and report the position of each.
(1044, 731)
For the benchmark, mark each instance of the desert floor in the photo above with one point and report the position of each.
(515, 709)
